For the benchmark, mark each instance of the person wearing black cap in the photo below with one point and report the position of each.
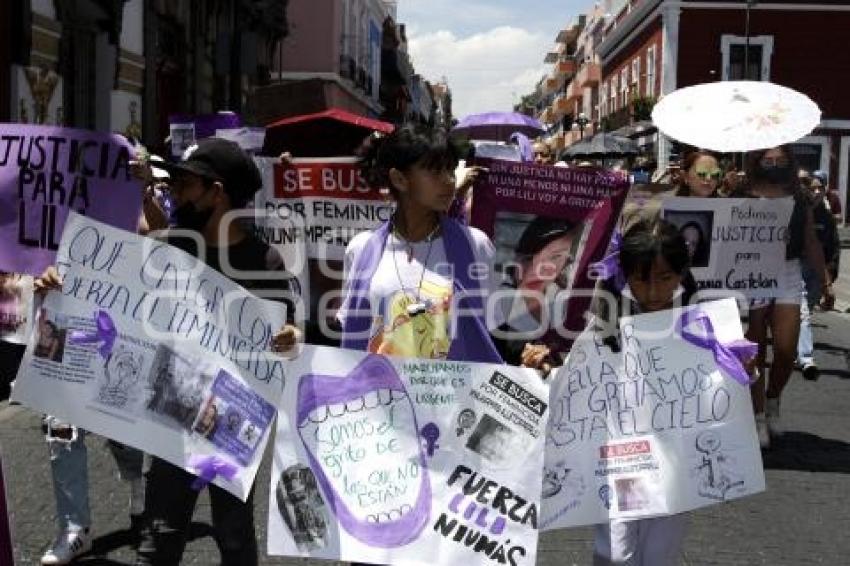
(215, 177)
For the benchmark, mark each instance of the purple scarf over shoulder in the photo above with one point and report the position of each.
(471, 341)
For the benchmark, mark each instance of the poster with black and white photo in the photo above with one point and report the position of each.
(146, 345)
(405, 461)
(660, 427)
(738, 247)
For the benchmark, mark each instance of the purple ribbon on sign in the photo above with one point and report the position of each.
(729, 357)
(208, 468)
(104, 332)
(609, 266)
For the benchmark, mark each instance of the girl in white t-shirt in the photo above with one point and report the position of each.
(417, 286)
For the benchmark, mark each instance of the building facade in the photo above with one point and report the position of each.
(349, 54)
(653, 47)
(76, 63)
(126, 65)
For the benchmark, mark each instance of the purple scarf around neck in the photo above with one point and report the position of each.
(471, 341)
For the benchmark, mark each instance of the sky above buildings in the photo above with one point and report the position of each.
(491, 51)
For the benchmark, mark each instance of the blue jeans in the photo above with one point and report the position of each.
(69, 467)
(805, 343)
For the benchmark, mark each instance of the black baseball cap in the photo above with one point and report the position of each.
(221, 160)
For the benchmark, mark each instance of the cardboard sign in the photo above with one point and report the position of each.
(393, 460)
(737, 246)
(657, 428)
(147, 345)
(46, 172)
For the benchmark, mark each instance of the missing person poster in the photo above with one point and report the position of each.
(661, 426)
(48, 171)
(738, 247)
(313, 207)
(148, 346)
(16, 307)
(549, 224)
(404, 461)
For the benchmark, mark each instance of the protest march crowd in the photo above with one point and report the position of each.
(471, 350)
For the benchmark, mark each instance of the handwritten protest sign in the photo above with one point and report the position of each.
(187, 129)
(316, 206)
(45, 172)
(655, 429)
(549, 224)
(391, 461)
(147, 345)
(737, 245)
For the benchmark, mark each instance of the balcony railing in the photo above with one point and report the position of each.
(590, 74)
(566, 67)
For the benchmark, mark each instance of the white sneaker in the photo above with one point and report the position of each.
(774, 420)
(762, 431)
(68, 545)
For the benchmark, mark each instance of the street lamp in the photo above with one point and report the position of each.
(582, 123)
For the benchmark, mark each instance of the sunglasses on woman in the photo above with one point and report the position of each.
(709, 175)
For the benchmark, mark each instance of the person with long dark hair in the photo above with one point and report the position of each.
(416, 286)
(772, 173)
(655, 263)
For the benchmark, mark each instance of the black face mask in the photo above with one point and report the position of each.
(190, 217)
(778, 175)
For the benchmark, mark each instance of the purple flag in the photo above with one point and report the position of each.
(45, 171)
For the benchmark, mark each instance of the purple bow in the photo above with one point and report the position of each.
(729, 357)
(609, 266)
(208, 467)
(105, 332)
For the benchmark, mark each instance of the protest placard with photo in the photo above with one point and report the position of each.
(392, 460)
(313, 207)
(737, 246)
(148, 346)
(549, 224)
(47, 171)
(16, 307)
(661, 426)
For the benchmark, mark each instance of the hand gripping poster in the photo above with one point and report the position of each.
(148, 346)
(48, 171)
(550, 226)
(661, 426)
(739, 247)
(404, 461)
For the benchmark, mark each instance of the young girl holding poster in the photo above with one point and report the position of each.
(654, 261)
(416, 286)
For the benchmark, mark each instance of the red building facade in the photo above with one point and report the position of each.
(662, 45)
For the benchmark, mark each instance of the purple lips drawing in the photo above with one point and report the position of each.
(363, 445)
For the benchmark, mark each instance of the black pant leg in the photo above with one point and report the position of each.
(233, 523)
(169, 506)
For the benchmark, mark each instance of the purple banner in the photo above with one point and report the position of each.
(45, 171)
(186, 129)
(549, 224)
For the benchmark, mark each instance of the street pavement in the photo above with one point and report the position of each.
(801, 519)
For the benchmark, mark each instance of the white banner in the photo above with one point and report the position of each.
(177, 361)
(402, 461)
(737, 245)
(655, 429)
(321, 203)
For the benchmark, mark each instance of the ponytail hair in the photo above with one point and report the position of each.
(408, 145)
